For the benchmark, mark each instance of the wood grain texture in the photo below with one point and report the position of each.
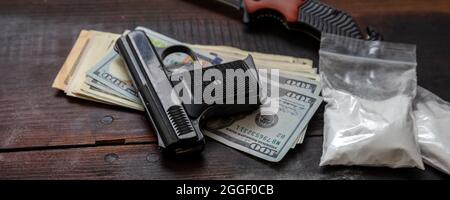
(41, 127)
(146, 162)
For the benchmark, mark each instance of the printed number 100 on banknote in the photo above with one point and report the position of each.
(267, 136)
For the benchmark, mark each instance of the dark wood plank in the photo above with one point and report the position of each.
(146, 162)
(37, 36)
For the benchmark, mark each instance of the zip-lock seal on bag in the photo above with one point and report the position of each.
(369, 87)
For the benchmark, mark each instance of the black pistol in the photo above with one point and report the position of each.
(177, 121)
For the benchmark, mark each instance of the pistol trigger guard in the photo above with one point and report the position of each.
(179, 49)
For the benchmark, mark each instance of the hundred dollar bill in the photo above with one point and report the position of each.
(111, 73)
(267, 136)
(299, 84)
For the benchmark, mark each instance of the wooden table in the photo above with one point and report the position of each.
(46, 135)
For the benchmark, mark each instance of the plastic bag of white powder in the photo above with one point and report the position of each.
(369, 87)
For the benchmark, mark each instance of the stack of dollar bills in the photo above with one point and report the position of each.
(94, 71)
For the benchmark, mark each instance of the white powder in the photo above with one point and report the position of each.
(433, 123)
(371, 133)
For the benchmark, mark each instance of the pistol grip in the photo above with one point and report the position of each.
(235, 86)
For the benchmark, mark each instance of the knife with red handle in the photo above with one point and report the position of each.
(309, 16)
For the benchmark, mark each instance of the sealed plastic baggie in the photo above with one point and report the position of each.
(433, 128)
(369, 87)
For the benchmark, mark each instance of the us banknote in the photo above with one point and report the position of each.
(299, 84)
(268, 137)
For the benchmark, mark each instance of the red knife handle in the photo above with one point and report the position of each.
(310, 16)
(287, 8)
